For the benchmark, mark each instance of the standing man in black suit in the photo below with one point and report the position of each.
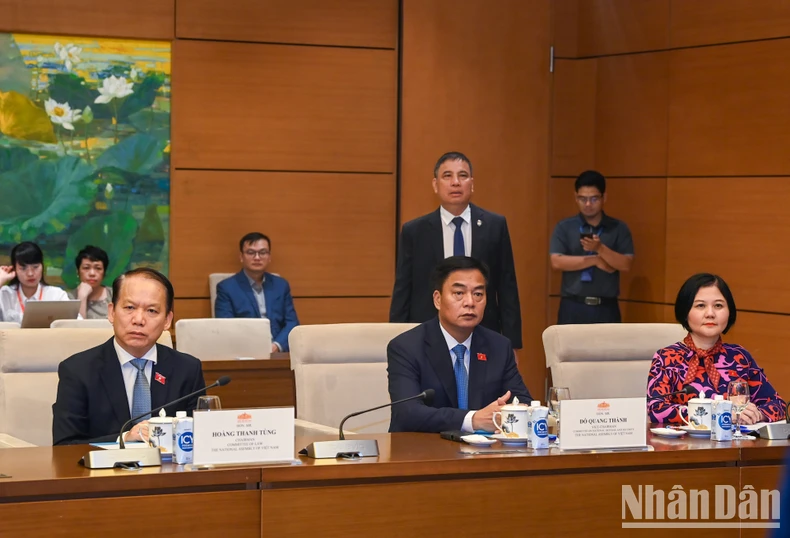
(101, 388)
(457, 228)
(471, 369)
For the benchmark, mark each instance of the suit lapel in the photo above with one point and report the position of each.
(244, 284)
(112, 380)
(439, 357)
(478, 370)
(478, 232)
(163, 367)
(436, 238)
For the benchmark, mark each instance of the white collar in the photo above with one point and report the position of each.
(39, 290)
(448, 217)
(124, 356)
(452, 342)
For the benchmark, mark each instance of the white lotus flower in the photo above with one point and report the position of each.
(70, 54)
(133, 74)
(114, 88)
(108, 188)
(62, 114)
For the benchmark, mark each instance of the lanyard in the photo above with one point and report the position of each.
(19, 297)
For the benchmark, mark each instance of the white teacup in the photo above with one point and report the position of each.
(699, 413)
(512, 419)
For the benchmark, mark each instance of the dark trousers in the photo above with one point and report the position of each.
(574, 312)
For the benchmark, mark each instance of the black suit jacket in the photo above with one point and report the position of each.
(92, 405)
(419, 359)
(421, 248)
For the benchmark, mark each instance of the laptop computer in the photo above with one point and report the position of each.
(40, 314)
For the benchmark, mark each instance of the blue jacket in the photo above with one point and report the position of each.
(235, 299)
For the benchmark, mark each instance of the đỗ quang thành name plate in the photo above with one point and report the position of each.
(603, 423)
(232, 436)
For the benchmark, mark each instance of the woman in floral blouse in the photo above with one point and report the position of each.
(706, 309)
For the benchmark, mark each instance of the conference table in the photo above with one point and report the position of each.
(419, 484)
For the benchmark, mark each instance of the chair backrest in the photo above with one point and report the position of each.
(213, 280)
(340, 369)
(29, 360)
(102, 323)
(211, 339)
(606, 360)
(9, 325)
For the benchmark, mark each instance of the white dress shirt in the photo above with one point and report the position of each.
(448, 230)
(257, 290)
(451, 343)
(12, 309)
(129, 370)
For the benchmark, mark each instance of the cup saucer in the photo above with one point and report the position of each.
(502, 438)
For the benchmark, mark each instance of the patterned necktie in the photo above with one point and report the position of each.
(461, 378)
(141, 396)
(458, 239)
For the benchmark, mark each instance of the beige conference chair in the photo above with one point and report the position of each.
(606, 360)
(213, 280)
(342, 368)
(102, 323)
(9, 325)
(212, 339)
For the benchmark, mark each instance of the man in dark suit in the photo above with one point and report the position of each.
(471, 369)
(457, 228)
(254, 293)
(101, 388)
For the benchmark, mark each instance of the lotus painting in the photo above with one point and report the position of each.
(85, 150)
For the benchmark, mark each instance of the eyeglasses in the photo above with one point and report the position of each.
(588, 199)
(256, 253)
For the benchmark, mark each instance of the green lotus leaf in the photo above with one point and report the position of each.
(42, 197)
(74, 90)
(139, 154)
(14, 74)
(13, 158)
(114, 233)
(153, 122)
(143, 96)
(20, 118)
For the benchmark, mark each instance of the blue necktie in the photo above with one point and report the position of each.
(141, 396)
(458, 239)
(461, 378)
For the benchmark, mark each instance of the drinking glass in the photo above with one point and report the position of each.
(556, 395)
(208, 403)
(738, 394)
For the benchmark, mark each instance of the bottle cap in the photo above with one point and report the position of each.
(534, 403)
(181, 414)
(718, 397)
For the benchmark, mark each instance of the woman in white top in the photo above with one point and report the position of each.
(25, 279)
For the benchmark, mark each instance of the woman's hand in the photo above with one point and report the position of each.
(751, 415)
(7, 274)
(83, 291)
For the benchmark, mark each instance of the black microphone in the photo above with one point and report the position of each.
(221, 382)
(424, 395)
(688, 389)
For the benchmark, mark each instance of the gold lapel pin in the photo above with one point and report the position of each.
(479, 222)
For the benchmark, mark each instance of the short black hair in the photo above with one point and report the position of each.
(688, 291)
(452, 156)
(27, 253)
(591, 178)
(94, 254)
(145, 272)
(448, 266)
(253, 237)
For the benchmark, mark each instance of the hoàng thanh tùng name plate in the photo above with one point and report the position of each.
(603, 423)
(231, 436)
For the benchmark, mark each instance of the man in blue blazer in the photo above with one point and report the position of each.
(254, 293)
(471, 369)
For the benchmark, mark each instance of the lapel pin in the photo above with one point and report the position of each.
(482, 357)
(479, 222)
(159, 378)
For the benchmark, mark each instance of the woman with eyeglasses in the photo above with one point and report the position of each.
(25, 279)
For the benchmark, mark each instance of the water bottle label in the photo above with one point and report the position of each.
(725, 421)
(541, 428)
(185, 441)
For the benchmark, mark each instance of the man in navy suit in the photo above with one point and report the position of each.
(103, 387)
(456, 228)
(471, 369)
(254, 293)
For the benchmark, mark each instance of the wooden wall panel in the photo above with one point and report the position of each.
(631, 312)
(727, 21)
(729, 112)
(565, 23)
(357, 23)
(278, 107)
(762, 336)
(573, 121)
(733, 227)
(641, 204)
(138, 19)
(631, 115)
(489, 97)
(332, 234)
(620, 26)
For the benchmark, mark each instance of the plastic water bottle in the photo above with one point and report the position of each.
(182, 438)
(538, 425)
(721, 419)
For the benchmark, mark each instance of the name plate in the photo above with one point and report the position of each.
(605, 423)
(231, 436)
